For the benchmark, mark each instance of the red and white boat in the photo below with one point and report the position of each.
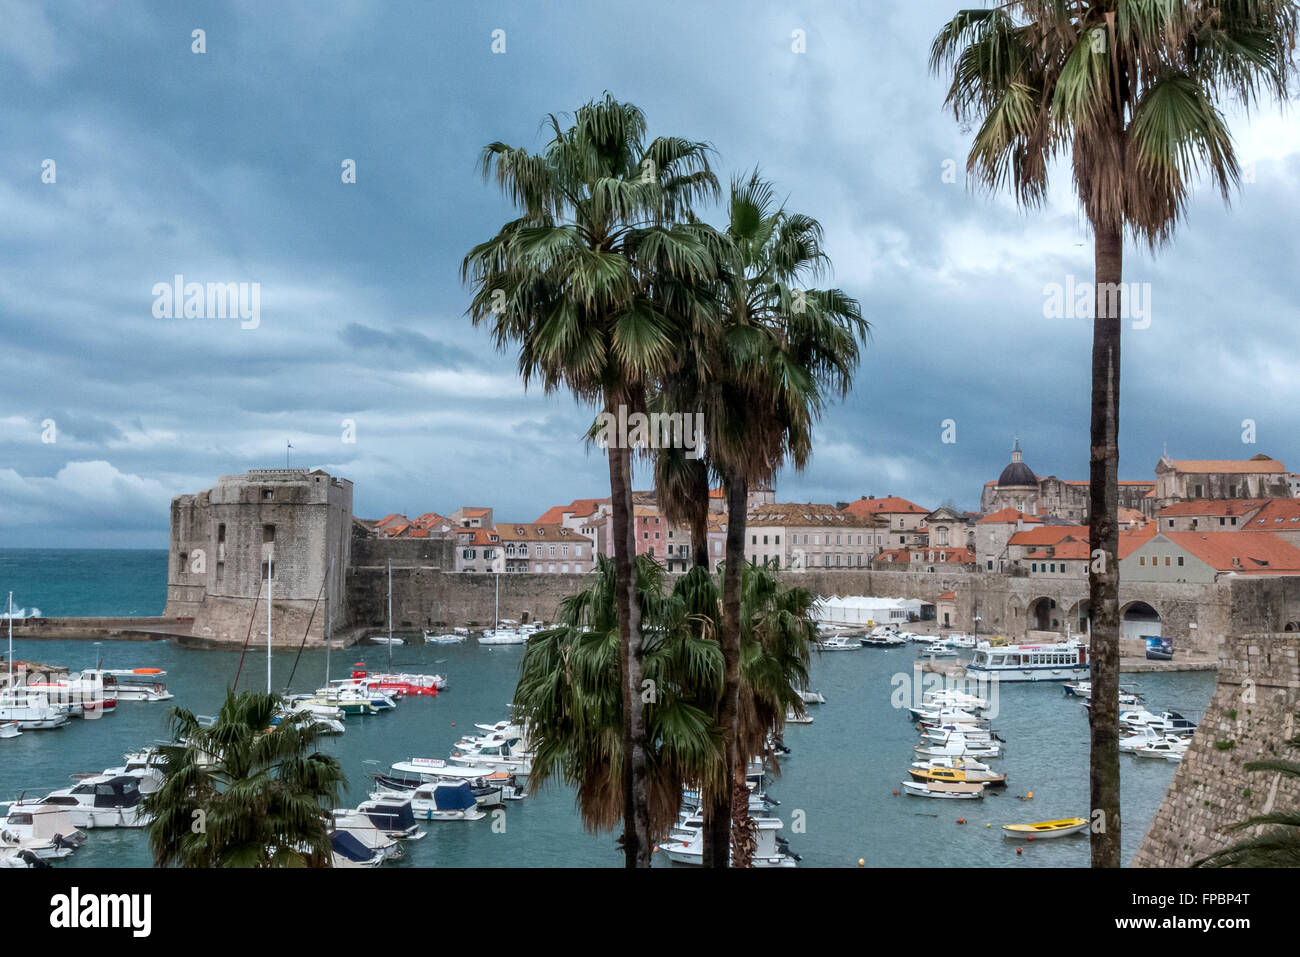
(402, 685)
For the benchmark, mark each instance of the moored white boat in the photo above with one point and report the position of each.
(768, 850)
(444, 639)
(48, 832)
(100, 800)
(9, 729)
(31, 710)
(1043, 830)
(959, 746)
(838, 643)
(445, 802)
(950, 791)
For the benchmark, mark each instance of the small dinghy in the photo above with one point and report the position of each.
(1045, 829)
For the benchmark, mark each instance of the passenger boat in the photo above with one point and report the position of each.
(838, 643)
(769, 850)
(48, 832)
(99, 800)
(489, 787)
(1041, 830)
(949, 770)
(444, 639)
(1053, 662)
(945, 790)
(445, 802)
(402, 685)
(31, 710)
(82, 696)
(135, 684)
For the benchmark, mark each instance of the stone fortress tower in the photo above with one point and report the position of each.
(222, 538)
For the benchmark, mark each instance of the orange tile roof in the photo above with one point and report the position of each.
(947, 596)
(1008, 516)
(890, 504)
(1279, 514)
(1047, 534)
(1133, 538)
(580, 507)
(1260, 463)
(1225, 507)
(1067, 548)
(477, 536)
(537, 532)
(1259, 554)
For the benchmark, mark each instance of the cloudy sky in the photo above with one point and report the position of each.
(226, 167)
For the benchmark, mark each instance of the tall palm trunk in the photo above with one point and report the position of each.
(1103, 577)
(700, 514)
(636, 809)
(722, 809)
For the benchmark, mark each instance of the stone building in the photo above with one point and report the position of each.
(905, 520)
(802, 536)
(294, 524)
(545, 549)
(1020, 489)
(1181, 480)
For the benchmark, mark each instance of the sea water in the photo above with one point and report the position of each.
(837, 790)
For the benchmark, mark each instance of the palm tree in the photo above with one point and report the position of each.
(779, 351)
(578, 283)
(568, 691)
(1279, 846)
(777, 629)
(569, 695)
(1131, 89)
(238, 794)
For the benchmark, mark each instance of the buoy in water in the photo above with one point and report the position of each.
(861, 862)
(1017, 850)
(895, 792)
(961, 820)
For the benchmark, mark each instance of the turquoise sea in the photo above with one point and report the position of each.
(836, 789)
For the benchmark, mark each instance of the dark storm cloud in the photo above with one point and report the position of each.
(226, 167)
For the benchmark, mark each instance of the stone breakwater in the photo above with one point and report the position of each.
(1251, 716)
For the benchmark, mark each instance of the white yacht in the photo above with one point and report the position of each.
(1167, 748)
(444, 802)
(31, 710)
(838, 643)
(503, 636)
(489, 788)
(1051, 662)
(960, 641)
(373, 838)
(1167, 722)
(769, 852)
(100, 800)
(444, 639)
(500, 754)
(135, 684)
(959, 746)
(392, 814)
(882, 636)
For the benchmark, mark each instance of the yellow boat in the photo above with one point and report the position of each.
(958, 775)
(1045, 829)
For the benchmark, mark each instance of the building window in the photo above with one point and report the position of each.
(268, 495)
(268, 534)
(272, 569)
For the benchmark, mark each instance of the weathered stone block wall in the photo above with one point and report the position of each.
(430, 552)
(425, 597)
(1252, 714)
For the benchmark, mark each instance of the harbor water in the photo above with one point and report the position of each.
(837, 790)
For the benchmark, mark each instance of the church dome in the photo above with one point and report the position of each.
(1017, 474)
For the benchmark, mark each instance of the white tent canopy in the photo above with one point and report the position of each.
(866, 610)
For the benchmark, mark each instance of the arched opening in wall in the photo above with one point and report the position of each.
(1043, 615)
(1079, 616)
(1140, 620)
(1292, 626)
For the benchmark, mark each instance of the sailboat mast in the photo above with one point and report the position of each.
(390, 614)
(497, 622)
(269, 559)
(11, 641)
(329, 622)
